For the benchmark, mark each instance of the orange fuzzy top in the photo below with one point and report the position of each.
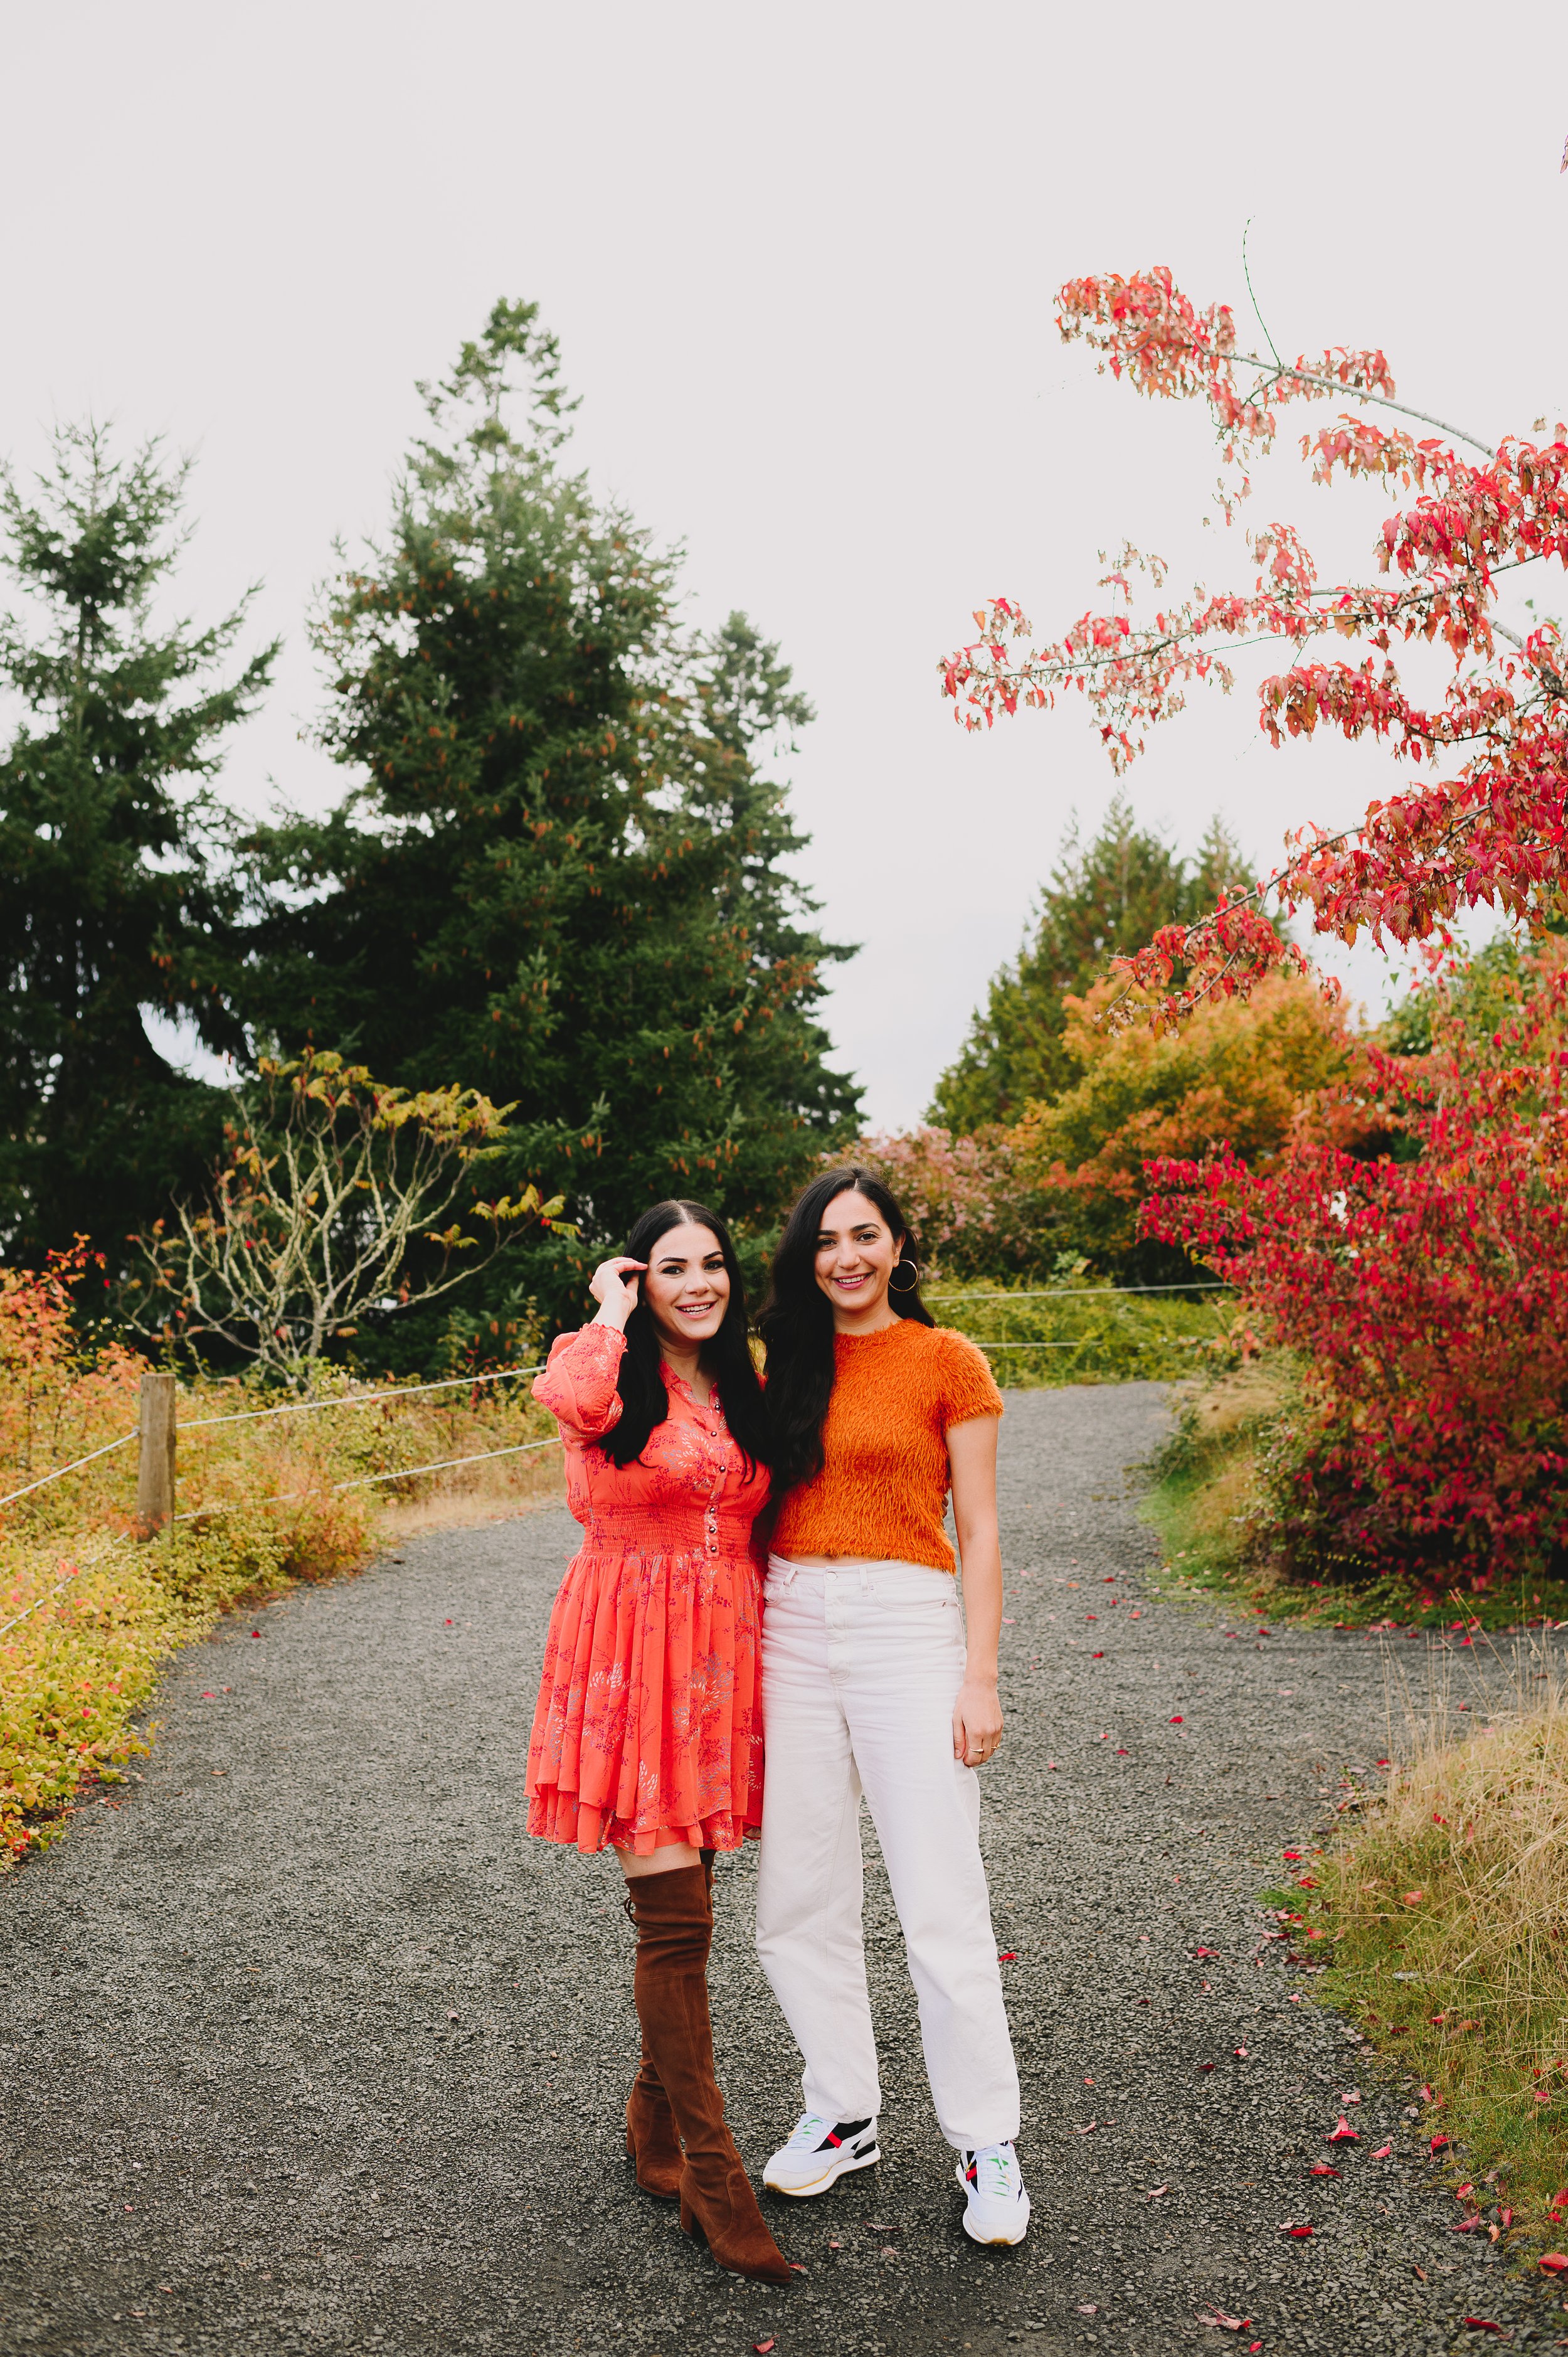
(882, 1492)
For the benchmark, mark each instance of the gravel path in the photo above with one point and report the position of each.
(303, 2047)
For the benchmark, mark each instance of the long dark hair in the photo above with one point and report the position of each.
(645, 1398)
(797, 1322)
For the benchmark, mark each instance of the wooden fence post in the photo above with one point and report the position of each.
(155, 1456)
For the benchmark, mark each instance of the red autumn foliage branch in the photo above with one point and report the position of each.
(1427, 1302)
(1488, 822)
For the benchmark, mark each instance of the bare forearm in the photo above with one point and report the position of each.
(981, 1556)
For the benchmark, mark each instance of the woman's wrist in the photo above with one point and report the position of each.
(981, 1673)
(613, 1316)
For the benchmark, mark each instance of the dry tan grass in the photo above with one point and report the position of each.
(1448, 1907)
(481, 1494)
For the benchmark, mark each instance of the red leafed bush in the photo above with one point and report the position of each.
(1426, 1300)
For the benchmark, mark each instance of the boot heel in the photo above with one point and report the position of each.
(688, 2223)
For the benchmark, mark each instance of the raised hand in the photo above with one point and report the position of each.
(615, 1291)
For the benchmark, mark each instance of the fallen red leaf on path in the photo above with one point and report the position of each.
(1177, 1719)
(1480, 2324)
(1290, 1856)
(1197, 1952)
(1089, 2129)
(1439, 2144)
(1226, 2323)
(1097, 1657)
(1008, 1956)
(1156, 2190)
(762, 2347)
(1322, 2168)
(1383, 2151)
(1289, 2226)
(1342, 2132)
(1553, 2263)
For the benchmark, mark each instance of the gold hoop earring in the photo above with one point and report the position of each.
(914, 1268)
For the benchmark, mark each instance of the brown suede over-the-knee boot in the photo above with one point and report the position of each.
(651, 2142)
(674, 1920)
(650, 2138)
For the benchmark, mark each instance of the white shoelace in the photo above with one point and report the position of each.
(810, 2132)
(994, 2168)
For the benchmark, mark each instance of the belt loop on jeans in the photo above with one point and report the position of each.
(780, 1569)
(866, 1586)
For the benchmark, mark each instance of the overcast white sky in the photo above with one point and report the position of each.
(801, 260)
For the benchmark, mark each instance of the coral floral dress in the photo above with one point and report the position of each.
(649, 1724)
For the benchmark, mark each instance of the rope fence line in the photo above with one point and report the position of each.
(47, 1596)
(49, 1593)
(1083, 1292)
(389, 1394)
(364, 1480)
(123, 1442)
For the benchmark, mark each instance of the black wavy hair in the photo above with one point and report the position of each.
(797, 1320)
(645, 1398)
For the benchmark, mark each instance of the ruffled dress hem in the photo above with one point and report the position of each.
(557, 1816)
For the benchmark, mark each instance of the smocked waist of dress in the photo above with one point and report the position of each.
(697, 1533)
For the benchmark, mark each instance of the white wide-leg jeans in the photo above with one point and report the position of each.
(861, 1667)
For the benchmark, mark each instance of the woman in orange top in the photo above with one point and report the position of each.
(647, 1736)
(870, 1688)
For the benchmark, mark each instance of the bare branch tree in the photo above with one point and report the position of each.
(329, 1181)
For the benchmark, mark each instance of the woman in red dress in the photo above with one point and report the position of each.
(648, 1732)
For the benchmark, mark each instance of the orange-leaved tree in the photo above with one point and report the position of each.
(1244, 1074)
(1483, 816)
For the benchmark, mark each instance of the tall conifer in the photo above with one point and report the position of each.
(1103, 898)
(557, 876)
(113, 899)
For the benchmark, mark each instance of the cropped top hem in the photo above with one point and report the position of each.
(881, 1496)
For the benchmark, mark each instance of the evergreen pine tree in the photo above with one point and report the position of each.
(113, 898)
(1103, 899)
(557, 876)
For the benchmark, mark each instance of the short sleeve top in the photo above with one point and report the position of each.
(882, 1492)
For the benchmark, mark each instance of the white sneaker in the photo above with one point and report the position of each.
(819, 2154)
(996, 2208)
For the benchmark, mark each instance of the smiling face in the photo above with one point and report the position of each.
(857, 1251)
(687, 1286)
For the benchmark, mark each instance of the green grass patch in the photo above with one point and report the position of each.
(1442, 1917)
(1093, 1334)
